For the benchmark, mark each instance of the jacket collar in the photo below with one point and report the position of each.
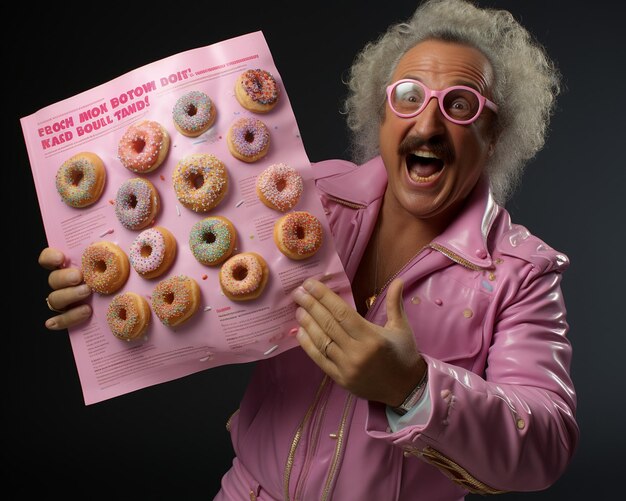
(463, 241)
(362, 185)
(465, 238)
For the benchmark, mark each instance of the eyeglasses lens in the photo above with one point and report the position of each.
(461, 104)
(407, 97)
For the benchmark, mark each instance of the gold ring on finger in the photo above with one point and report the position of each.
(325, 348)
(51, 308)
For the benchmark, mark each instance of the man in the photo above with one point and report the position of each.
(452, 375)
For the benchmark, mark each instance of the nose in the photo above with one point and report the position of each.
(430, 122)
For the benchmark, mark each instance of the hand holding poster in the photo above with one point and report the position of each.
(148, 130)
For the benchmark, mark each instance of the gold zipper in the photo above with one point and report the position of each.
(298, 436)
(445, 251)
(230, 419)
(315, 435)
(341, 201)
(455, 257)
(334, 465)
(457, 473)
(391, 279)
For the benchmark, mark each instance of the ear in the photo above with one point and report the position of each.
(495, 135)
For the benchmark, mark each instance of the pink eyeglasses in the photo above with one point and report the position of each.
(459, 104)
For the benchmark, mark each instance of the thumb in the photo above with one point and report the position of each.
(396, 316)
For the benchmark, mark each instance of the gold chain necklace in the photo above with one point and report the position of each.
(371, 299)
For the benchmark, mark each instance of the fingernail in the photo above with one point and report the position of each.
(51, 323)
(299, 293)
(83, 290)
(73, 276)
(84, 310)
(58, 258)
(308, 285)
(293, 332)
(299, 314)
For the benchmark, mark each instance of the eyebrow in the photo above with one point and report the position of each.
(465, 83)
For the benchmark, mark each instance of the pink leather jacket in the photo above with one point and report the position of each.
(486, 307)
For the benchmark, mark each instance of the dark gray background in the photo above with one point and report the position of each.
(169, 441)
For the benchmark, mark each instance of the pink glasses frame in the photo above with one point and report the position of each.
(439, 94)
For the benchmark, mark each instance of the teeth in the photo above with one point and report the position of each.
(422, 179)
(425, 154)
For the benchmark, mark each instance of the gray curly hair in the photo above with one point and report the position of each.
(526, 82)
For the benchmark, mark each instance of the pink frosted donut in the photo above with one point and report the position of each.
(279, 187)
(298, 235)
(244, 276)
(248, 139)
(143, 147)
(152, 252)
(136, 203)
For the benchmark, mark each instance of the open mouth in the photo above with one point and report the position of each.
(423, 166)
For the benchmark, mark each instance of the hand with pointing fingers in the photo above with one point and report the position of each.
(373, 362)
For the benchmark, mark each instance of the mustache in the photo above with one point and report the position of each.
(437, 145)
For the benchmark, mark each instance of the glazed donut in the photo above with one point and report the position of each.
(80, 180)
(200, 181)
(176, 299)
(193, 113)
(256, 90)
(128, 316)
(248, 139)
(212, 240)
(152, 252)
(280, 187)
(244, 276)
(105, 267)
(298, 235)
(137, 203)
(144, 146)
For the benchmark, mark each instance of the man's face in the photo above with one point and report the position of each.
(430, 187)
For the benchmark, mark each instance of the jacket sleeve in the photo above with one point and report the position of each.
(513, 429)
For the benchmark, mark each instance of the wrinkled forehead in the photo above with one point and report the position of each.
(440, 64)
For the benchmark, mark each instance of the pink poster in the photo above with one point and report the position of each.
(222, 330)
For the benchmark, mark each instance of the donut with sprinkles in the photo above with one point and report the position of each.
(105, 267)
(128, 316)
(80, 179)
(175, 300)
(248, 139)
(280, 187)
(194, 113)
(212, 240)
(137, 203)
(298, 235)
(200, 181)
(257, 91)
(152, 252)
(143, 146)
(243, 277)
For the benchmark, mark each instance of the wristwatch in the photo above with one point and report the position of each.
(413, 397)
